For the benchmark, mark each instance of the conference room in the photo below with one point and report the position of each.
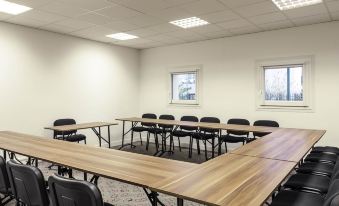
(169, 102)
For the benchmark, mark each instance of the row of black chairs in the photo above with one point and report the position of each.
(26, 184)
(316, 182)
(206, 135)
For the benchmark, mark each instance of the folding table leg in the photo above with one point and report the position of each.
(180, 202)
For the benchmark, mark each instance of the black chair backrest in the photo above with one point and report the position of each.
(28, 184)
(238, 122)
(4, 181)
(149, 116)
(209, 120)
(332, 197)
(71, 192)
(166, 117)
(189, 119)
(62, 122)
(264, 123)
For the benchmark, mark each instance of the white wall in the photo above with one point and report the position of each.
(228, 76)
(45, 76)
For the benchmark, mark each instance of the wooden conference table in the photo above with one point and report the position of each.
(246, 176)
(91, 125)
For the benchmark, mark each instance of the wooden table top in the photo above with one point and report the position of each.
(71, 127)
(135, 169)
(232, 180)
(283, 144)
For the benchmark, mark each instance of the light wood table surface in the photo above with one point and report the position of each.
(232, 180)
(135, 169)
(90, 125)
(283, 144)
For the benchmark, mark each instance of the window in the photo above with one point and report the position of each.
(285, 84)
(184, 86)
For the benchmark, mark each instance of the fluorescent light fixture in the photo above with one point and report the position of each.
(12, 8)
(189, 22)
(292, 4)
(122, 36)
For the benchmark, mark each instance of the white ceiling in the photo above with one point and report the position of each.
(148, 19)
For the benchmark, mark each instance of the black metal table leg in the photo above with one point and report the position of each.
(180, 202)
(219, 142)
(125, 133)
(85, 176)
(100, 136)
(109, 136)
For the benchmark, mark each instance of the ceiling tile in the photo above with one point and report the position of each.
(240, 3)
(306, 11)
(94, 18)
(206, 29)
(218, 34)
(171, 14)
(121, 26)
(32, 3)
(58, 28)
(163, 28)
(166, 39)
(118, 12)
(245, 30)
(186, 35)
(35, 18)
(203, 7)
(234, 24)
(4, 16)
(257, 9)
(268, 18)
(333, 6)
(89, 4)
(143, 32)
(95, 31)
(74, 24)
(311, 19)
(143, 20)
(172, 3)
(144, 5)
(26, 21)
(335, 15)
(64, 9)
(220, 16)
(276, 25)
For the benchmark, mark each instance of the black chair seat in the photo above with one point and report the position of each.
(326, 149)
(107, 204)
(321, 157)
(310, 182)
(140, 129)
(232, 138)
(203, 136)
(180, 133)
(315, 167)
(294, 198)
(75, 138)
(156, 130)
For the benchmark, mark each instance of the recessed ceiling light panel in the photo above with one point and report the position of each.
(122, 36)
(189, 22)
(12, 8)
(292, 4)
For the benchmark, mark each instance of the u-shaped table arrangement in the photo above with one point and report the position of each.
(245, 176)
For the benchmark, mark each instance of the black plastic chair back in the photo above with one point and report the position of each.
(264, 123)
(62, 122)
(4, 181)
(166, 117)
(209, 120)
(71, 192)
(189, 119)
(238, 122)
(28, 184)
(332, 197)
(149, 116)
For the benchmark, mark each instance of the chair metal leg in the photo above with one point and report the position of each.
(179, 144)
(190, 148)
(147, 141)
(226, 147)
(198, 146)
(140, 137)
(212, 147)
(132, 134)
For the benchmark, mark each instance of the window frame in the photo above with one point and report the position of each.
(185, 70)
(306, 104)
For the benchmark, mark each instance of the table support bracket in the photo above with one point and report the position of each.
(153, 198)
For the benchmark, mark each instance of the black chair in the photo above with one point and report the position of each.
(325, 149)
(297, 198)
(206, 135)
(5, 187)
(233, 136)
(144, 127)
(321, 157)
(28, 184)
(186, 131)
(312, 182)
(70, 136)
(71, 192)
(263, 123)
(163, 130)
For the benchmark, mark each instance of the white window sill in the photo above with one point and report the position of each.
(183, 105)
(282, 108)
